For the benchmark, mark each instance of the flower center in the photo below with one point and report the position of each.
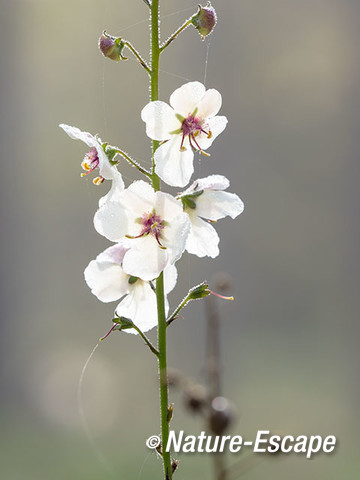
(90, 162)
(151, 224)
(191, 127)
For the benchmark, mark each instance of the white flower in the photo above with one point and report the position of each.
(97, 158)
(205, 199)
(189, 124)
(154, 224)
(108, 282)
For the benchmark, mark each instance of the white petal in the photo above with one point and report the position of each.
(111, 221)
(173, 166)
(107, 281)
(167, 207)
(160, 120)
(185, 99)
(106, 170)
(137, 199)
(212, 182)
(214, 204)
(203, 239)
(170, 278)
(175, 235)
(76, 134)
(145, 259)
(140, 306)
(210, 104)
(113, 254)
(215, 125)
(117, 187)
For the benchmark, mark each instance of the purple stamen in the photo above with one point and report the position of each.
(151, 224)
(90, 162)
(190, 127)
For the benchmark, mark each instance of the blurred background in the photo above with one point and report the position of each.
(289, 74)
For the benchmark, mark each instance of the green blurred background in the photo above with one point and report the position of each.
(289, 74)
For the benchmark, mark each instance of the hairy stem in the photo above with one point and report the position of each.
(175, 34)
(177, 310)
(137, 56)
(146, 340)
(160, 296)
(134, 163)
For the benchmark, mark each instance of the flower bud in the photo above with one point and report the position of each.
(111, 47)
(123, 323)
(195, 398)
(205, 20)
(200, 291)
(221, 415)
(174, 465)
(170, 412)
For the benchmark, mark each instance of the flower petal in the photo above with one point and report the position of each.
(170, 278)
(145, 259)
(173, 166)
(111, 221)
(106, 170)
(137, 199)
(117, 187)
(114, 254)
(175, 235)
(140, 306)
(167, 206)
(212, 182)
(107, 281)
(160, 120)
(214, 205)
(77, 134)
(210, 104)
(215, 125)
(203, 239)
(185, 99)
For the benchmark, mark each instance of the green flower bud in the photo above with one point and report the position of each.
(205, 20)
(200, 291)
(111, 47)
(170, 412)
(123, 323)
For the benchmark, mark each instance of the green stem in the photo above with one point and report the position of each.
(137, 56)
(146, 340)
(160, 296)
(177, 310)
(175, 34)
(133, 162)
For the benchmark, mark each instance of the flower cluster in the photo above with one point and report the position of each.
(152, 229)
